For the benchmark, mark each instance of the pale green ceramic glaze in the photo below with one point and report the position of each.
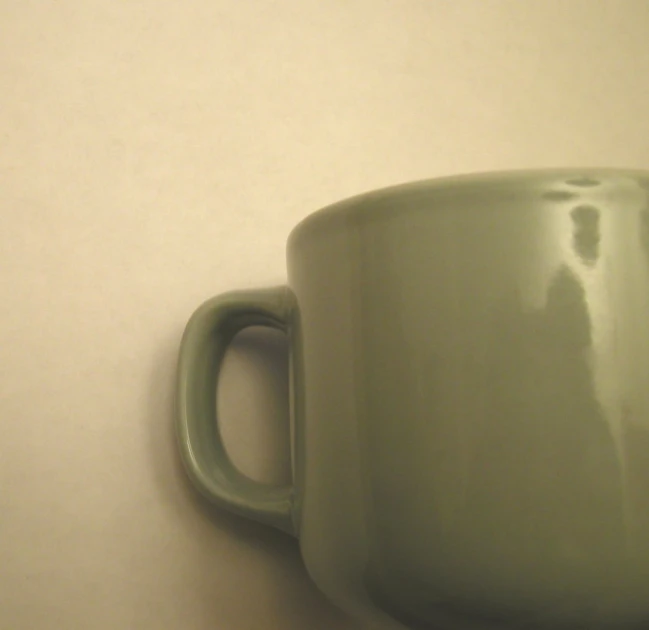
(470, 367)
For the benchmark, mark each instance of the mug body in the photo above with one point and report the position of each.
(471, 400)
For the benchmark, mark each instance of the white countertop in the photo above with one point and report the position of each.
(155, 153)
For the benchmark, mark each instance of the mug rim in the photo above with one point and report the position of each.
(448, 184)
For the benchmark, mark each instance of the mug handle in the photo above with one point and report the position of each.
(207, 336)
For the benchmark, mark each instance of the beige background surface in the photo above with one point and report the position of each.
(154, 153)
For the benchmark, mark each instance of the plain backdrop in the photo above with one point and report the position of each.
(154, 153)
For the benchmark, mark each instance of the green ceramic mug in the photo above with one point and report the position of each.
(470, 397)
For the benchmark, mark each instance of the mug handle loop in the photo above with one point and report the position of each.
(207, 336)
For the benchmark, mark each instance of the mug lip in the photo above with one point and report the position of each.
(579, 177)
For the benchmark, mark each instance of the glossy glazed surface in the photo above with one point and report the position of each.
(471, 371)
(470, 392)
